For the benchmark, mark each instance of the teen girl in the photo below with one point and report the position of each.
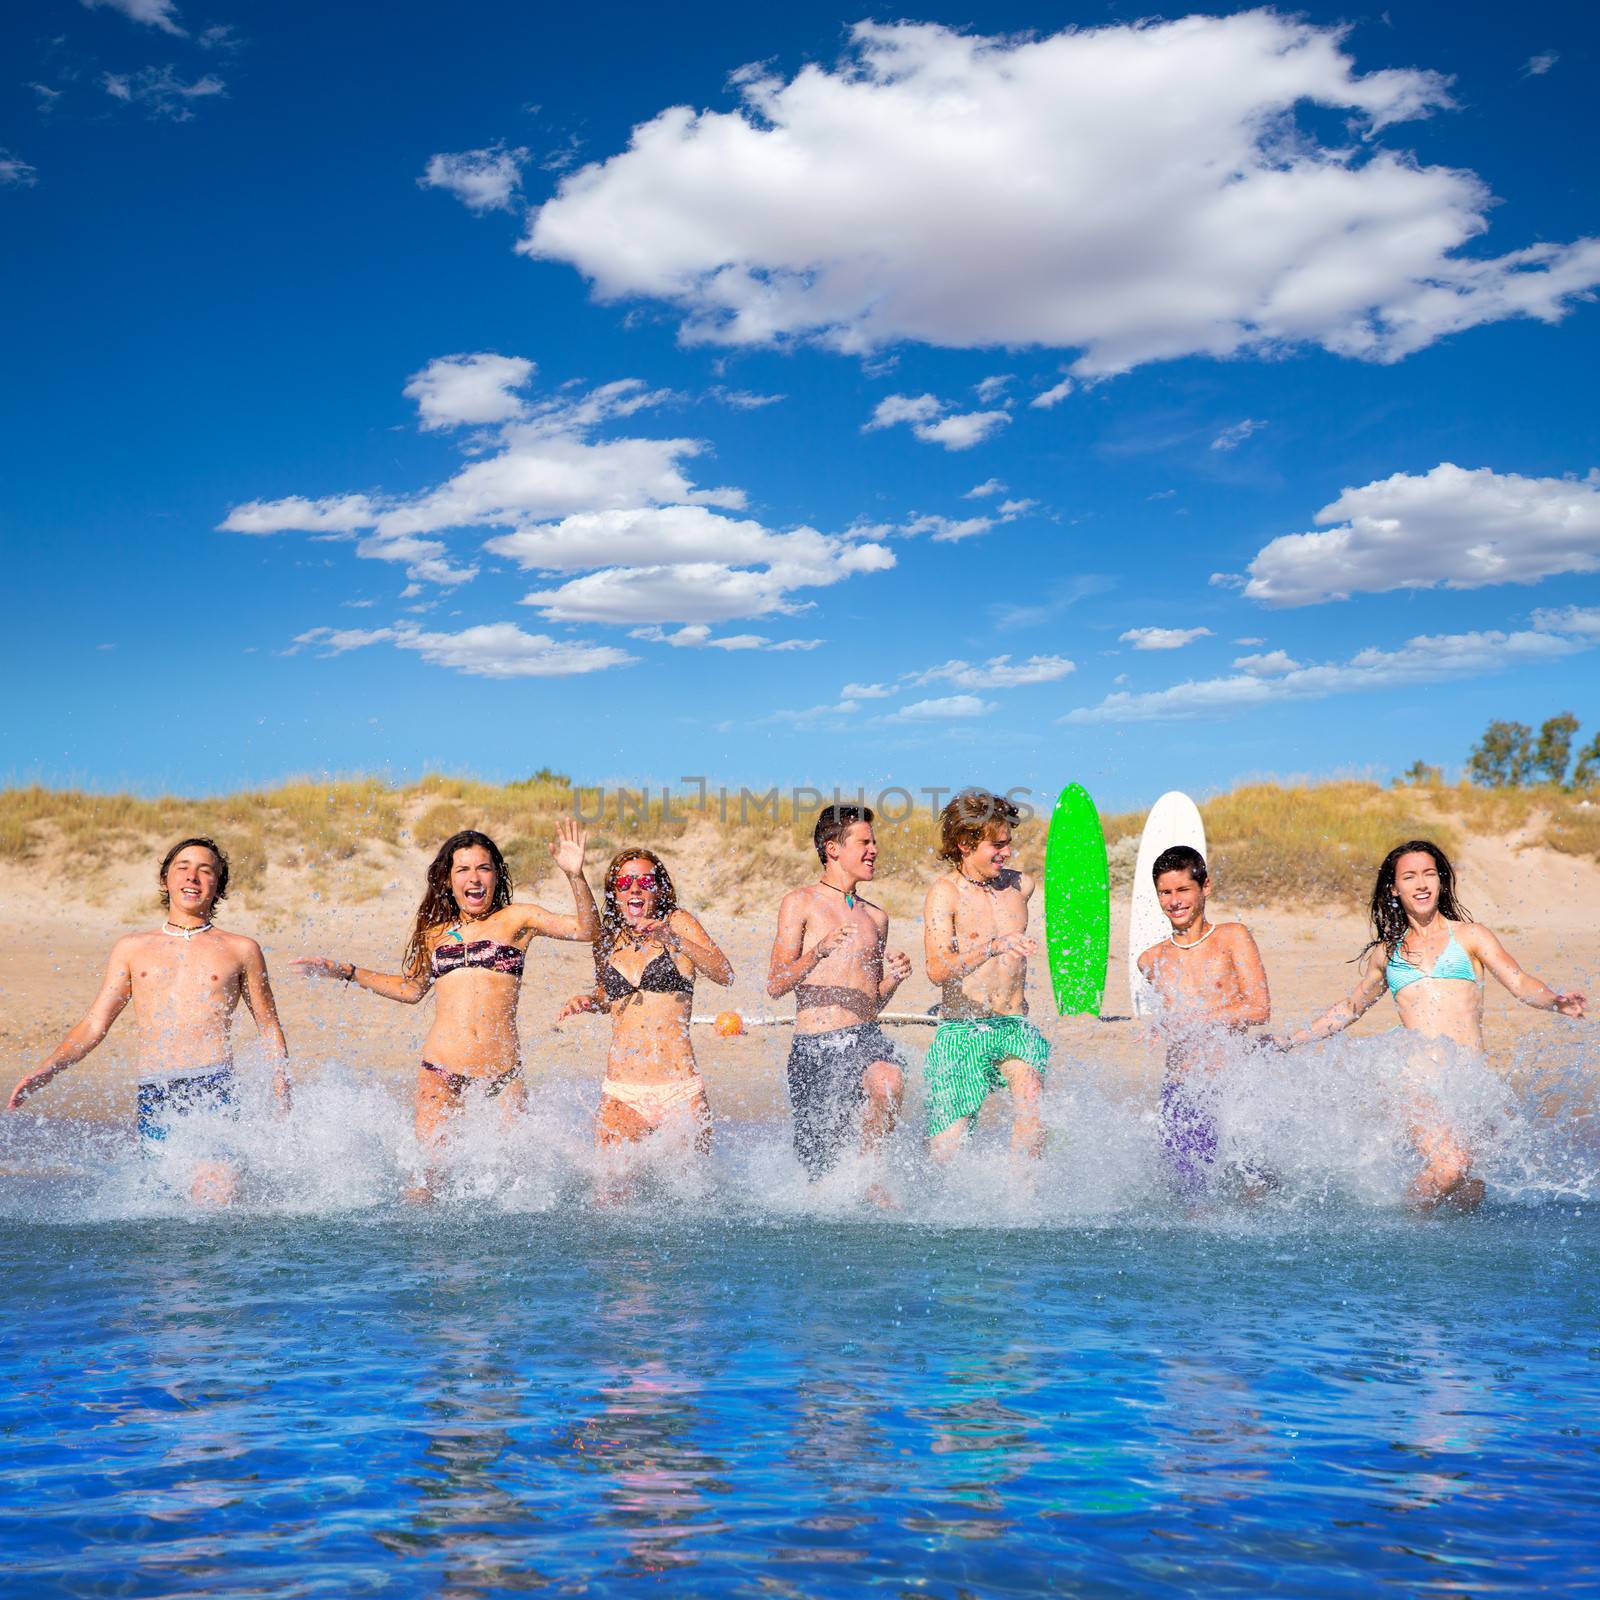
(649, 953)
(469, 942)
(1431, 956)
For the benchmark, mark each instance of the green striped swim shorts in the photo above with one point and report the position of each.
(964, 1064)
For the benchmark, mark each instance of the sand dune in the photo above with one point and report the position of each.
(1539, 900)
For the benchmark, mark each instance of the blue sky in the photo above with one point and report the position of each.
(1014, 394)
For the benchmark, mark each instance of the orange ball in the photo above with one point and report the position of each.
(729, 1024)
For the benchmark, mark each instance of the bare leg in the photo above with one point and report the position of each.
(619, 1124)
(882, 1085)
(436, 1106)
(944, 1144)
(1027, 1131)
(215, 1184)
(1444, 1180)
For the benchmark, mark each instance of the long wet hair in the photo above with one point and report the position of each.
(612, 921)
(439, 908)
(1389, 923)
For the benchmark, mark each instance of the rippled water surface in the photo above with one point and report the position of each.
(463, 1401)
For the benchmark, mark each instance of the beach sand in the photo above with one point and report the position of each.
(1538, 901)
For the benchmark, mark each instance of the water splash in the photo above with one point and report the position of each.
(1325, 1127)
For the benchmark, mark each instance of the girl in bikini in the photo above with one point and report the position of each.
(470, 940)
(1431, 956)
(646, 960)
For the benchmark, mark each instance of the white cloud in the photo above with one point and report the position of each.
(991, 388)
(866, 691)
(1094, 189)
(946, 531)
(812, 715)
(895, 408)
(47, 97)
(981, 491)
(962, 430)
(744, 399)
(621, 511)
(670, 535)
(1581, 620)
(482, 180)
(953, 707)
(1163, 638)
(1463, 529)
(1250, 640)
(996, 673)
(341, 513)
(491, 650)
(335, 641)
(697, 636)
(1426, 659)
(16, 173)
(933, 422)
(162, 14)
(1231, 438)
(1538, 65)
(1012, 509)
(698, 591)
(457, 390)
(161, 91)
(1268, 665)
(1053, 396)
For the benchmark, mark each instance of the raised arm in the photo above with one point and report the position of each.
(791, 962)
(389, 985)
(262, 1006)
(1485, 945)
(583, 926)
(682, 932)
(1366, 994)
(896, 964)
(115, 991)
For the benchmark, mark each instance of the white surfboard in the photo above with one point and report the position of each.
(1174, 819)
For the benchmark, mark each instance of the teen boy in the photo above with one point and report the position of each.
(1210, 986)
(185, 979)
(832, 951)
(976, 946)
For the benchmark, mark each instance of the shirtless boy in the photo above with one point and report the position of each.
(976, 944)
(832, 951)
(185, 980)
(1209, 983)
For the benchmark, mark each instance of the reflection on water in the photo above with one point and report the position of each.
(460, 1405)
(735, 1383)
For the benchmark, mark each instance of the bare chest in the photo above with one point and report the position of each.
(185, 973)
(990, 911)
(1195, 974)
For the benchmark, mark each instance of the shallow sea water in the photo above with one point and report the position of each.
(736, 1385)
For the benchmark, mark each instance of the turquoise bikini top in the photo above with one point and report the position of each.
(1453, 962)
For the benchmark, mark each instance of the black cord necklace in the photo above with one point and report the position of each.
(849, 894)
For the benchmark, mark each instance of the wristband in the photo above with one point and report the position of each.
(350, 976)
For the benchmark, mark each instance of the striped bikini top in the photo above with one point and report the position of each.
(453, 954)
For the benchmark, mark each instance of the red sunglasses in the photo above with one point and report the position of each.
(645, 880)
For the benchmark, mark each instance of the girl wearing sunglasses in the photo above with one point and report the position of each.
(646, 960)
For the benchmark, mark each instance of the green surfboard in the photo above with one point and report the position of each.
(1077, 904)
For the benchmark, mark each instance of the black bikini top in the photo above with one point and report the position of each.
(660, 976)
(452, 955)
